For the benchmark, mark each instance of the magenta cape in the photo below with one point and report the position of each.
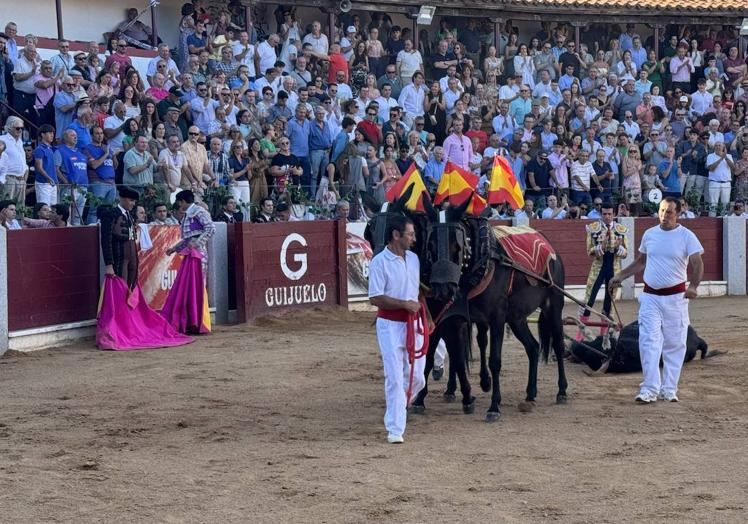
(126, 321)
(186, 308)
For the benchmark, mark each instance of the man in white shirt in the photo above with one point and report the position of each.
(386, 102)
(702, 99)
(344, 92)
(553, 211)
(451, 74)
(14, 160)
(582, 175)
(347, 42)
(665, 253)
(510, 91)
(412, 96)
(720, 166)
(244, 53)
(266, 56)
(317, 39)
(409, 61)
(165, 55)
(393, 289)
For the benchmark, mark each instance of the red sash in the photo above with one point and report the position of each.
(396, 315)
(665, 291)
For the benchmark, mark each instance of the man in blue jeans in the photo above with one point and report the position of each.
(320, 141)
(298, 131)
(100, 172)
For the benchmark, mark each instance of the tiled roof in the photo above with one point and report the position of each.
(642, 5)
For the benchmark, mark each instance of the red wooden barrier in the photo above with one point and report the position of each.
(568, 238)
(53, 276)
(289, 265)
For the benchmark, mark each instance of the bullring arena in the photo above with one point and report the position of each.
(281, 421)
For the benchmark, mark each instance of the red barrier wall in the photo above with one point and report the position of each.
(53, 276)
(568, 238)
(709, 233)
(289, 265)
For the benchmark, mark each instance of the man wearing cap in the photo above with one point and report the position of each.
(118, 236)
(348, 41)
(173, 99)
(627, 100)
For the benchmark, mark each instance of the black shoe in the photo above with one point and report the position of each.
(437, 373)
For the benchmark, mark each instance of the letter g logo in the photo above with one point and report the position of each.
(299, 257)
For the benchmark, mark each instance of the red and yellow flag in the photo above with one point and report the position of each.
(457, 184)
(477, 205)
(411, 178)
(503, 186)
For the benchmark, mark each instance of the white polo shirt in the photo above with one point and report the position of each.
(722, 172)
(394, 276)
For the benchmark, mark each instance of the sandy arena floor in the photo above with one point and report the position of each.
(282, 422)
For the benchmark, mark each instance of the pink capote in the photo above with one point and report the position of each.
(126, 321)
(186, 307)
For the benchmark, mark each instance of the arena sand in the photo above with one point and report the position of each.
(282, 422)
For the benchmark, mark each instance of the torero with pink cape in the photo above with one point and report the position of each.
(186, 308)
(125, 321)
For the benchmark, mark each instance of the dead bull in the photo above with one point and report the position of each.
(624, 351)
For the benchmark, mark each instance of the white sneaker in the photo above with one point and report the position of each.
(646, 398)
(395, 439)
(668, 397)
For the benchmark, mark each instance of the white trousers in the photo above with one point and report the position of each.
(46, 193)
(663, 328)
(440, 353)
(391, 338)
(718, 192)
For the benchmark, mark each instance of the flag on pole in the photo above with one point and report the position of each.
(411, 178)
(457, 184)
(503, 186)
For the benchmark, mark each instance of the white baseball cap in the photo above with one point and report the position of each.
(351, 29)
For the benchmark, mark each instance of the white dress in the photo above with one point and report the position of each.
(526, 66)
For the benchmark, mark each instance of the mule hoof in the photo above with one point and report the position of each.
(485, 384)
(562, 399)
(449, 397)
(493, 416)
(526, 406)
(469, 408)
(418, 409)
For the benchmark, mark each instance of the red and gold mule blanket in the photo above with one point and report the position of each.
(525, 247)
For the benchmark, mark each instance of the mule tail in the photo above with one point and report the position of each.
(551, 324)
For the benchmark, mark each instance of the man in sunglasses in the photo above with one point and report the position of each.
(119, 55)
(14, 160)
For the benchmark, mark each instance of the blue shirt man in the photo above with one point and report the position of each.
(434, 169)
(84, 134)
(64, 103)
(45, 153)
(668, 173)
(298, 131)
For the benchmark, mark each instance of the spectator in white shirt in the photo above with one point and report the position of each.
(266, 53)
(702, 99)
(165, 55)
(553, 211)
(317, 39)
(720, 166)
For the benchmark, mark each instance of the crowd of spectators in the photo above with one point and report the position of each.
(304, 124)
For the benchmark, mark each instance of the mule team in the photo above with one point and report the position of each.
(456, 266)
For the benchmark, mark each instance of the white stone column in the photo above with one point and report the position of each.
(734, 254)
(3, 290)
(218, 273)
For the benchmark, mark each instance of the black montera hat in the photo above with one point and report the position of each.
(128, 192)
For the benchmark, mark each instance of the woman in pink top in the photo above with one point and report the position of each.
(632, 170)
(388, 171)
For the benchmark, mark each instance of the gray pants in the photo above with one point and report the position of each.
(695, 184)
(15, 189)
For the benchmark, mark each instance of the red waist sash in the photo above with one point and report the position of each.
(665, 291)
(396, 315)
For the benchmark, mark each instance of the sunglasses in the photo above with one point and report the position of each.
(371, 114)
(18, 128)
(194, 134)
